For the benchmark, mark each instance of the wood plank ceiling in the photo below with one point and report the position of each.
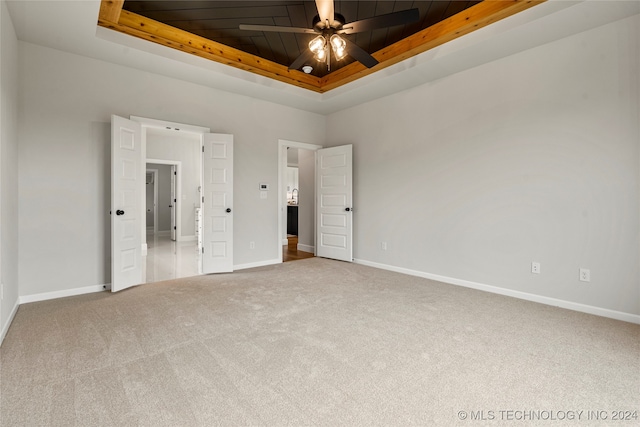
(210, 29)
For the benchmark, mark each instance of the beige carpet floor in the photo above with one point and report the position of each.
(314, 342)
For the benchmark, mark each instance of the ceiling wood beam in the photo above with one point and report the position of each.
(110, 10)
(465, 22)
(166, 35)
(112, 16)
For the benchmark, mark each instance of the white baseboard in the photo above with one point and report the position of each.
(61, 294)
(164, 233)
(598, 311)
(5, 327)
(306, 248)
(187, 238)
(257, 264)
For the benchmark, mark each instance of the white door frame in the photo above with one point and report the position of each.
(173, 194)
(161, 124)
(282, 179)
(154, 173)
(178, 165)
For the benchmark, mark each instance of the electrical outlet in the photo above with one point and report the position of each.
(585, 275)
(535, 267)
(252, 245)
(383, 246)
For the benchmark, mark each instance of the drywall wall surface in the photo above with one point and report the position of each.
(8, 169)
(533, 157)
(306, 211)
(66, 102)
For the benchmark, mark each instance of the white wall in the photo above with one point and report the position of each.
(65, 107)
(307, 192)
(8, 169)
(185, 148)
(534, 157)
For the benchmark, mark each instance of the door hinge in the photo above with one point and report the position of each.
(203, 148)
(202, 199)
(175, 172)
(203, 249)
(175, 200)
(174, 227)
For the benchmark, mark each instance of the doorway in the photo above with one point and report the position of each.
(296, 190)
(210, 209)
(151, 187)
(169, 254)
(162, 185)
(174, 153)
(299, 211)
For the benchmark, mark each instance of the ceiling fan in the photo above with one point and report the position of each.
(329, 26)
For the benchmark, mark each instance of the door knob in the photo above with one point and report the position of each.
(228, 210)
(347, 209)
(119, 212)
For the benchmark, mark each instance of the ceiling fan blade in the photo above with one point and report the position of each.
(300, 60)
(359, 54)
(383, 21)
(276, 29)
(325, 11)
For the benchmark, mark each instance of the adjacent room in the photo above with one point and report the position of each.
(458, 184)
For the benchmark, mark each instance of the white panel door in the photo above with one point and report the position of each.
(127, 183)
(217, 204)
(174, 201)
(334, 210)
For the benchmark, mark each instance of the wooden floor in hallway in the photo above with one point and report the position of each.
(290, 252)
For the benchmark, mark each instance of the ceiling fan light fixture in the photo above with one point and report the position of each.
(326, 27)
(317, 45)
(321, 55)
(339, 46)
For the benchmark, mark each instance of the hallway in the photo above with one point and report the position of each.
(167, 259)
(291, 252)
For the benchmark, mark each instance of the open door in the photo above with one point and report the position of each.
(174, 201)
(217, 203)
(127, 182)
(334, 221)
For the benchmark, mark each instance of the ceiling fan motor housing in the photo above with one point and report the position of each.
(320, 26)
